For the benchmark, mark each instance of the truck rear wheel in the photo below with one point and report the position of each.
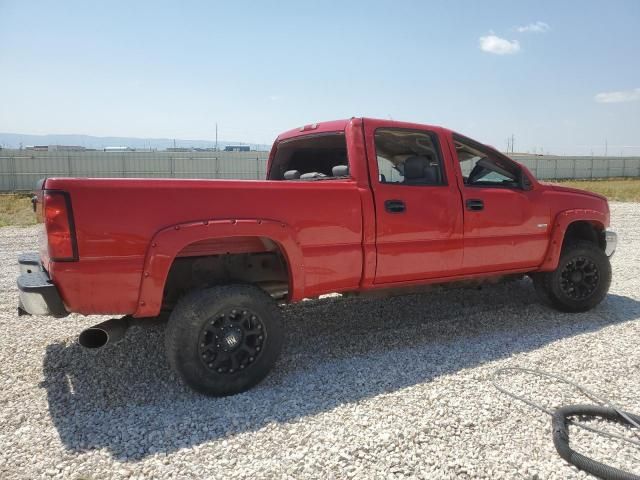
(224, 340)
(581, 280)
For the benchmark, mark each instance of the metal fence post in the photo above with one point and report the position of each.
(172, 166)
(14, 174)
(257, 167)
(217, 172)
(592, 166)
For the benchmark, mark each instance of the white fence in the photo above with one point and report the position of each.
(21, 169)
(554, 167)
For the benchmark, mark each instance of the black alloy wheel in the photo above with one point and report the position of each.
(579, 278)
(231, 341)
(224, 340)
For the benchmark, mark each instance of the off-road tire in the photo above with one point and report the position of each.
(549, 285)
(190, 322)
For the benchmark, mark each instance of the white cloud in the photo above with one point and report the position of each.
(537, 27)
(500, 46)
(619, 96)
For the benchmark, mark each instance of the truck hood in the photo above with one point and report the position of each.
(559, 188)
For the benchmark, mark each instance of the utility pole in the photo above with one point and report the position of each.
(512, 140)
(216, 136)
(606, 147)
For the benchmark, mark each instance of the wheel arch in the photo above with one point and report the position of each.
(578, 224)
(210, 237)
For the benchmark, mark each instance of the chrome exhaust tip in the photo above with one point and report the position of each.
(110, 331)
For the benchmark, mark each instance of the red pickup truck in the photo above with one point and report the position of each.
(348, 206)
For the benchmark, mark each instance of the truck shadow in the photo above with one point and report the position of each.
(126, 399)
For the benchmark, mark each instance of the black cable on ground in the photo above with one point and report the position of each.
(561, 421)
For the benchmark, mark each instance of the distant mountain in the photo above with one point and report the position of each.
(15, 140)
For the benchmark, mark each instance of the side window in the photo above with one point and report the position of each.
(408, 157)
(484, 168)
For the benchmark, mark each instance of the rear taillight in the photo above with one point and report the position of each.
(58, 219)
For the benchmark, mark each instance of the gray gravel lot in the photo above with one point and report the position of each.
(386, 388)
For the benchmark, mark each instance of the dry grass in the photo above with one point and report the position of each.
(16, 210)
(617, 189)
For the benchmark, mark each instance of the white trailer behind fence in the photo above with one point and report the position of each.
(21, 169)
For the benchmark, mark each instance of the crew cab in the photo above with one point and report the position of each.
(350, 206)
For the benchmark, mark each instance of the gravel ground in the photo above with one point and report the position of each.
(388, 388)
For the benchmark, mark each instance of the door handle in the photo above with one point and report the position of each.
(474, 204)
(394, 206)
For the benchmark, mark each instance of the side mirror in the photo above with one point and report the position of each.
(525, 181)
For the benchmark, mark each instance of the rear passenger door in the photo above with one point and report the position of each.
(419, 229)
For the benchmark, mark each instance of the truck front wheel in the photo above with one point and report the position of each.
(224, 340)
(581, 280)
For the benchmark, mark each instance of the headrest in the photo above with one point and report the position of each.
(340, 171)
(291, 175)
(414, 167)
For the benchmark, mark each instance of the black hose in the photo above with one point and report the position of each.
(561, 421)
(561, 439)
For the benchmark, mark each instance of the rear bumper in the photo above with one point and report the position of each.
(38, 294)
(29, 262)
(610, 242)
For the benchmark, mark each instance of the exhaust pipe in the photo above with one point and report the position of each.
(110, 331)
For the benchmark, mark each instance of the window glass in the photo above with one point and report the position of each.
(483, 168)
(408, 157)
(311, 157)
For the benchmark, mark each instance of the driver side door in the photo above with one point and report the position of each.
(506, 226)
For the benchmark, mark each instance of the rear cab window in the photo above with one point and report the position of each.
(311, 157)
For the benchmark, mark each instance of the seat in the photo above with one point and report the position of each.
(311, 175)
(340, 171)
(421, 170)
(291, 175)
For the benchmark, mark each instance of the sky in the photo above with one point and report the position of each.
(561, 77)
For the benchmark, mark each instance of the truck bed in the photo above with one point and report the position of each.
(116, 220)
